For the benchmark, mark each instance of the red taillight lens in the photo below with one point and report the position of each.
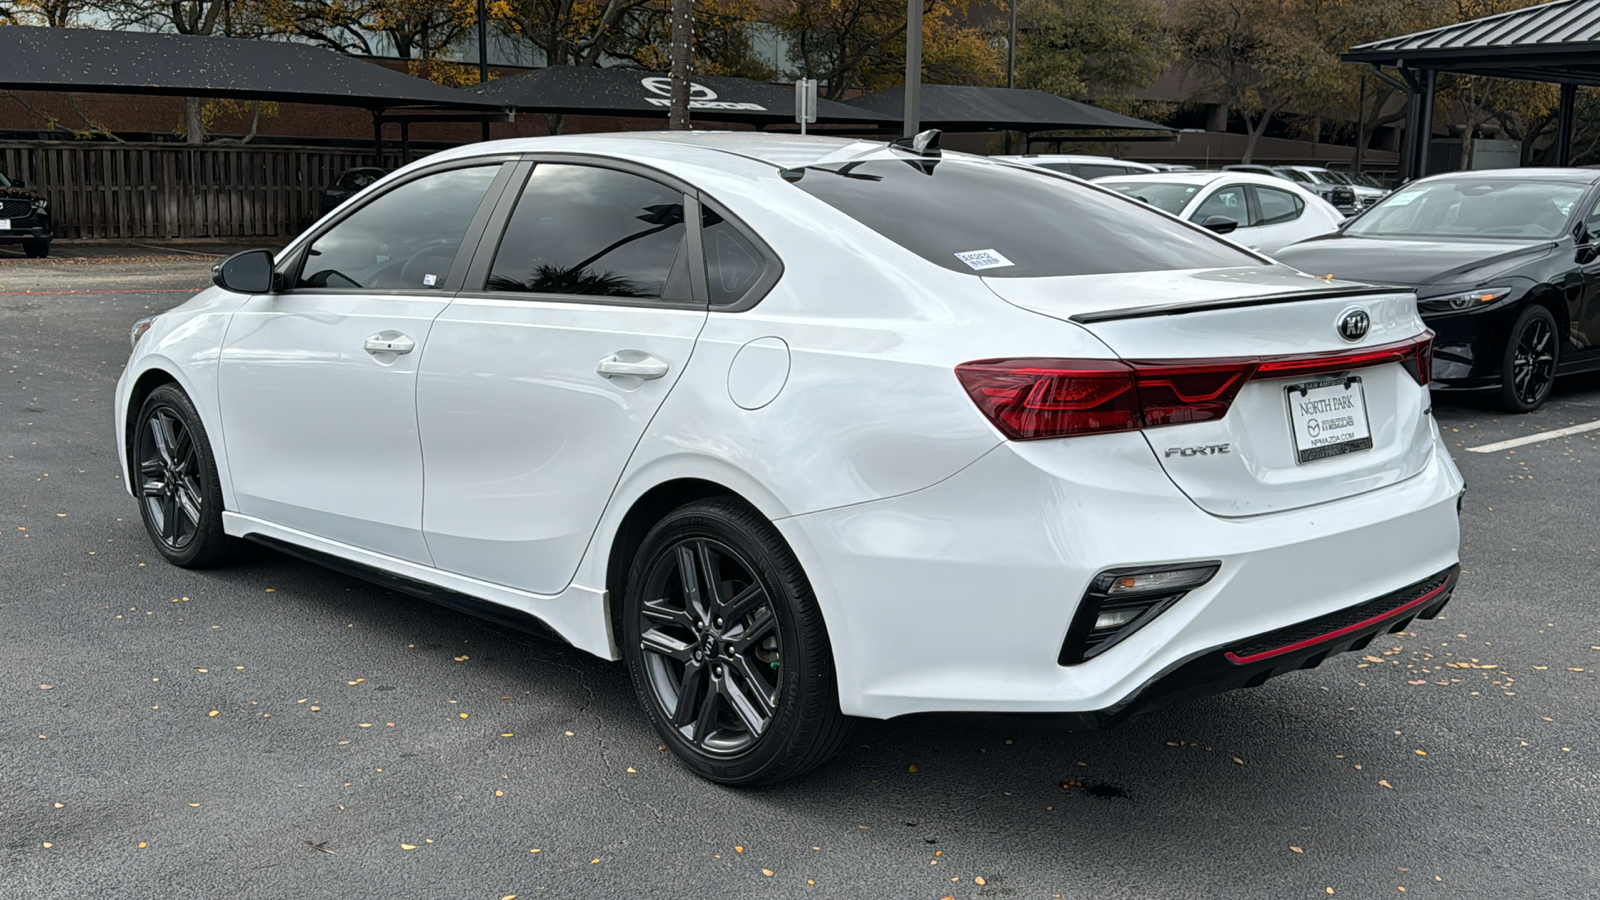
(1030, 399)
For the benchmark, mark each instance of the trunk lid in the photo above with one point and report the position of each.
(1248, 462)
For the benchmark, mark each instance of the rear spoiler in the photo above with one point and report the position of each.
(1178, 309)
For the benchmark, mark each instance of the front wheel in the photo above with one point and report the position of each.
(36, 249)
(727, 649)
(1528, 370)
(175, 479)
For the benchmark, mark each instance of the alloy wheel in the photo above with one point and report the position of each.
(1533, 366)
(169, 485)
(712, 648)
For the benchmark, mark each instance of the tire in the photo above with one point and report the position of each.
(1528, 369)
(736, 674)
(36, 249)
(176, 483)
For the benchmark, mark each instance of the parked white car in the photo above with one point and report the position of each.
(1267, 214)
(1078, 165)
(803, 429)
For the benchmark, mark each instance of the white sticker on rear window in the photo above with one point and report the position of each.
(984, 259)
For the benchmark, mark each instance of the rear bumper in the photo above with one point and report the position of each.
(958, 597)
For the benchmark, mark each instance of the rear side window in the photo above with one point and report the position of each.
(1091, 171)
(405, 239)
(735, 265)
(590, 231)
(1007, 222)
(1278, 206)
(1228, 202)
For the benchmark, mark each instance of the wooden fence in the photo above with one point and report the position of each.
(172, 191)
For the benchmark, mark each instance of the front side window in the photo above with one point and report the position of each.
(1591, 225)
(590, 231)
(1228, 202)
(1278, 207)
(405, 239)
(1008, 222)
(1294, 175)
(1473, 207)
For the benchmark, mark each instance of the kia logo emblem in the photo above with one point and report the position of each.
(1354, 324)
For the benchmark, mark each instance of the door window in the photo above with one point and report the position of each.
(1091, 171)
(590, 231)
(405, 239)
(1278, 207)
(1591, 226)
(1229, 202)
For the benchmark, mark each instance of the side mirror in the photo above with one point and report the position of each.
(246, 272)
(18, 183)
(1220, 224)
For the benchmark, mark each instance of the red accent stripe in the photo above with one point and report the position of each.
(1300, 645)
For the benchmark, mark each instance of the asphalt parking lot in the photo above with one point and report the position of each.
(276, 730)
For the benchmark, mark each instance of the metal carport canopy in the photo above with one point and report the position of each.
(1556, 42)
(594, 91)
(131, 62)
(953, 107)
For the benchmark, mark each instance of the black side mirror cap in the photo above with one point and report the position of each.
(1220, 224)
(245, 272)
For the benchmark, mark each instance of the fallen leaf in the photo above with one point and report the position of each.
(767, 872)
(61, 806)
(461, 659)
(499, 793)
(632, 771)
(569, 734)
(1296, 849)
(1386, 784)
(1422, 753)
(316, 709)
(143, 845)
(212, 713)
(194, 804)
(911, 768)
(979, 880)
(534, 850)
(46, 687)
(48, 845)
(463, 715)
(593, 861)
(738, 849)
(408, 846)
(1238, 760)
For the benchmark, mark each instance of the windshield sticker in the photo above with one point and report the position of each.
(984, 259)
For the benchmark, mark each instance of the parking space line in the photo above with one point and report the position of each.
(1535, 438)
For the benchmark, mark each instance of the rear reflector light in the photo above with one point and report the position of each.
(1122, 601)
(1030, 399)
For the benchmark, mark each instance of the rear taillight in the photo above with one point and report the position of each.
(1030, 399)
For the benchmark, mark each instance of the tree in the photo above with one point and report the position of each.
(1091, 49)
(860, 44)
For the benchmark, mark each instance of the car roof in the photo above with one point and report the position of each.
(1063, 157)
(1583, 175)
(721, 148)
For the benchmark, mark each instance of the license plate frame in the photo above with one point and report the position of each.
(5, 224)
(1309, 425)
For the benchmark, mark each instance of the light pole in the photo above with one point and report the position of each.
(483, 53)
(913, 113)
(682, 35)
(1011, 49)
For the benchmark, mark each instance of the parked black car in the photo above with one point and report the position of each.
(1506, 266)
(24, 219)
(346, 185)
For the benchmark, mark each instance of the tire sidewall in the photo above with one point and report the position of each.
(717, 521)
(1508, 392)
(208, 534)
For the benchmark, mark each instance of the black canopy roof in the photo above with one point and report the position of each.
(952, 107)
(632, 92)
(1557, 42)
(131, 62)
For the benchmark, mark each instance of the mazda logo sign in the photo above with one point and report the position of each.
(1354, 323)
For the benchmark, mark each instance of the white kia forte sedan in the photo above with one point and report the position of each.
(805, 429)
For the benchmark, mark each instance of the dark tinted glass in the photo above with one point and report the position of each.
(1092, 171)
(1063, 168)
(404, 240)
(1278, 206)
(592, 231)
(733, 263)
(1003, 221)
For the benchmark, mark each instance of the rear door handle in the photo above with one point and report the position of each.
(389, 343)
(631, 362)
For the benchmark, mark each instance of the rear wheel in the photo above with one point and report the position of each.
(727, 649)
(36, 249)
(176, 482)
(1528, 370)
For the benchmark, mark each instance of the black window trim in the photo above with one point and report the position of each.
(288, 271)
(477, 272)
(1255, 200)
(770, 274)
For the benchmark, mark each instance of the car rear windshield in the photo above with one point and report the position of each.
(1167, 196)
(1010, 222)
(1473, 207)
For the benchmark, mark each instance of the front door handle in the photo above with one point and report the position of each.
(631, 362)
(389, 342)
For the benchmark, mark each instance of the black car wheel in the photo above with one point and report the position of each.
(176, 482)
(1529, 369)
(727, 649)
(36, 249)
